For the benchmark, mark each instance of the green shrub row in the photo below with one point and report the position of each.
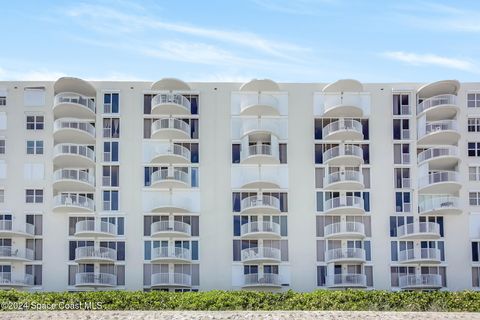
(352, 300)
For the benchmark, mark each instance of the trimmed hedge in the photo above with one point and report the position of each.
(351, 300)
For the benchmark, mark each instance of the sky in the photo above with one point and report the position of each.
(233, 40)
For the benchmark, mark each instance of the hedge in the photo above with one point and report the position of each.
(351, 300)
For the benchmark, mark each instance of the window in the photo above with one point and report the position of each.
(402, 178)
(396, 222)
(34, 96)
(2, 146)
(476, 277)
(36, 221)
(34, 147)
(110, 200)
(474, 198)
(474, 149)
(34, 196)
(401, 153)
(3, 100)
(33, 171)
(35, 122)
(473, 100)
(111, 128)
(474, 173)
(2, 196)
(110, 151)
(36, 271)
(401, 105)
(401, 129)
(110, 103)
(473, 125)
(403, 202)
(3, 121)
(110, 176)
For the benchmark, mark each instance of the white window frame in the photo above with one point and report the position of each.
(38, 147)
(35, 122)
(36, 197)
(475, 101)
(474, 198)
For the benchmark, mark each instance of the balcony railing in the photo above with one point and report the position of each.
(166, 174)
(438, 177)
(73, 149)
(73, 201)
(171, 279)
(260, 227)
(344, 227)
(171, 98)
(260, 201)
(343, 202)
(344, 176)
(265, 279)
(95, 226)
(6, 280)
(170, 226)
(436, 101)
(171, 252)
(173, 149)
(345, 254)
(438, 203)
(418, 228)
(95, 279)
(337, 99)
(91, 252)
(60, 124)
(342, 125)
(255, 253)
(7, 226)
(340, 151)
(260, 149)
(420, 280)
(441, 125)
(73, 174)
(419, 254)
(346, 280)
(263, 99)
(171, 123)
(7, 252)
(449, 151)
(67, 97)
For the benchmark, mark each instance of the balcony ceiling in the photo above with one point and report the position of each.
(170, 84)
(260, 85)
(344, 85)
(440, 87)
(76, 85)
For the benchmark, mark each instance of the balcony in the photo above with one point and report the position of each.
(170, 103)
(95, 228)
(345, 155)
(344, 230)
(344, 205)
(420, 282)
(73, 105)
(439, 205)
(261, 255)
(442, 182)
(439, 132)
(263, 204)
(170, 228)
(345, 255)
(265, 280)
(68, 155)
(7, 229)
(260, 230)
(93, 279)
(171, 254)
(6, 281)
(170, 128)
(440, 158)
(169, 179)
(171, 280)
(339, 104)
(421, 255)
(421, 230)
(348, 280)
(344, 180)
(73, 204)
(72, 131)
(439, 107)
(260, 153)
(171, 154)
(260, 104)
(73, 180)
(91, 254)
(10, 254)
(343, 129)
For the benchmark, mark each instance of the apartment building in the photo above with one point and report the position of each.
(181, 186)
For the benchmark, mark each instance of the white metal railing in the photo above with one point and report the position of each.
(342, 125)
(419, 254)
(432, 203)
(10, 252)
(260, 149)
(260, 226)
(7, 225)
(169, 226)
(348, 279)
(73, 174)
(173, 149)
(91, 252)
(6, 279)
(264, 99)
(336, 99)
(344, 176)
(74, 149)
(166, 174)
(345, 253)
(344, 227)
(70, 97)
(420, 280)
(438, 177)
(260, 201)
(164, 278)
(170, 123)
(171, 252)
(436, 101)
(418, 228)
(345, 150)
(71, 124)
(441, 125)
(261, 253)
(437, 152)
(344, 201)
(171, 98)
(261, 279)
(93, 278)
(96, 226)
(73, 201)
